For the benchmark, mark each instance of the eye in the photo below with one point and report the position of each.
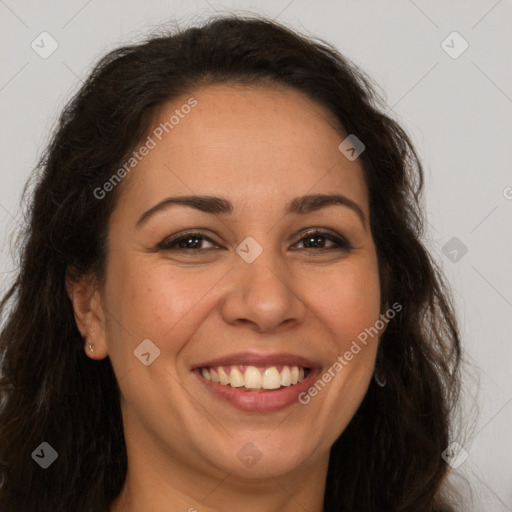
(313, 241)
(188, 242)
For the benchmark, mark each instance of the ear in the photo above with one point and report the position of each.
(85, 296)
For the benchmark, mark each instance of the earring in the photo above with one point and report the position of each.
(381, 381)
(89, 346)
(379, 375)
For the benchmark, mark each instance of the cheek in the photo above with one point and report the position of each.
(156, 301)
(347, 302)
(166, 303)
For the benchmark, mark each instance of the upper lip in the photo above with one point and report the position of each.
(258, 359)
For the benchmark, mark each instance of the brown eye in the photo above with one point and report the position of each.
(314, 241)
(317, 240)
(190, 241)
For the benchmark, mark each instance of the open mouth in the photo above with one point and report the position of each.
(255, 378)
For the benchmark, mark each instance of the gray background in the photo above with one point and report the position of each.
(457, 110)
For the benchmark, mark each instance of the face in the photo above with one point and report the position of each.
(258, 282)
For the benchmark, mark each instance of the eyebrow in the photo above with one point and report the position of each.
(218, 205)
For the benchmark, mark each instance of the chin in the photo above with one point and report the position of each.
(262, 455)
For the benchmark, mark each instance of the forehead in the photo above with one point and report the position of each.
(248, 142)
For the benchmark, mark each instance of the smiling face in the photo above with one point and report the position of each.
(252, 286)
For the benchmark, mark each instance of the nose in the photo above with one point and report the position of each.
(264, 295)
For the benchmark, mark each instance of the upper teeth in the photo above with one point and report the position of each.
(253, 377)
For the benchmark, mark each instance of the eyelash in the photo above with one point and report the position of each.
(169, 244)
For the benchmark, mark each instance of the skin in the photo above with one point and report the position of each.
(258, 147)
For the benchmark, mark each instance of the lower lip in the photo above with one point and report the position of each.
(263, 401)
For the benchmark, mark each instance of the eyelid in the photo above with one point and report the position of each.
(320, 231)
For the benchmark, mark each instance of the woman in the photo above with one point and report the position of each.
(223, 298)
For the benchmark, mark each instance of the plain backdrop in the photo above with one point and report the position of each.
(455, 102)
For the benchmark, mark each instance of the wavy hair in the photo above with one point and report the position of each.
(389, 456)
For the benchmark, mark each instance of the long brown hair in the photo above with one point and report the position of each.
(389, 456)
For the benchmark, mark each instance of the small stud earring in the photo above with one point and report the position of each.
(89, 346)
